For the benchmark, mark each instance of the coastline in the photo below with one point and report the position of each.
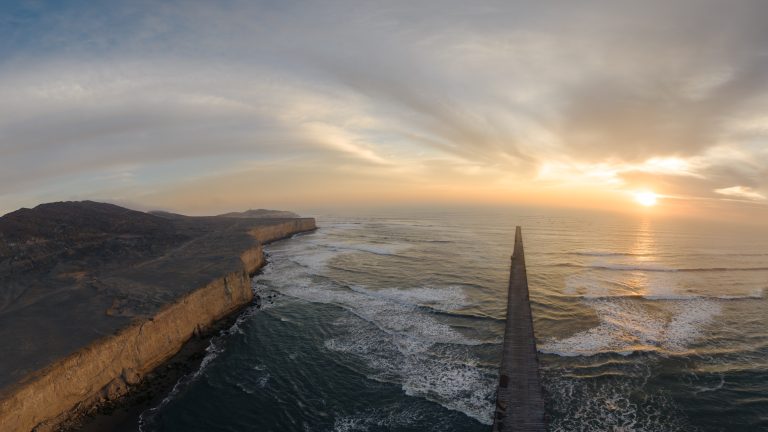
(122, 414)
(160, 347)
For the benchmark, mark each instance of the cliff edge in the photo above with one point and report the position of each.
(94, 296)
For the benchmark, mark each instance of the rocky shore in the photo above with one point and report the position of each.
(94, 297)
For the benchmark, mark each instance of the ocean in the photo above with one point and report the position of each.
(394, 322)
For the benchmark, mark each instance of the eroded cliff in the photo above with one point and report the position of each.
(140, 316)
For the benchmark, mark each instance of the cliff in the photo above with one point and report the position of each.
(118, 307)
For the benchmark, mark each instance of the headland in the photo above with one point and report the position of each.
(93, 297)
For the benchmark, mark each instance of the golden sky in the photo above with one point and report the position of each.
(206, 107)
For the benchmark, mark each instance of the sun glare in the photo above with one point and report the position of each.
(646, 198)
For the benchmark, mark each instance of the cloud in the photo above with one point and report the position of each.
(741, 192)
(601, 93)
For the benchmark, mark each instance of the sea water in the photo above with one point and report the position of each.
(394, 321)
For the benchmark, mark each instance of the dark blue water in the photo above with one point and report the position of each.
(395, 323)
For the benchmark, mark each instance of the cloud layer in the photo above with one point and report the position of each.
(145, 102)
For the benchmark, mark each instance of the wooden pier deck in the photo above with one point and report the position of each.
(519, 399)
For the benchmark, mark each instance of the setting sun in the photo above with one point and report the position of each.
(646, 198)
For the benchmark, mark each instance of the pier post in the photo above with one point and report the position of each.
(519, 399)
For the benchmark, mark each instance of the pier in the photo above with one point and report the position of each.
(519, 399)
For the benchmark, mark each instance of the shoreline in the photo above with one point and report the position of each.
(117, 377)
(123, 414)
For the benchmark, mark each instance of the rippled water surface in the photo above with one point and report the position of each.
(394, 322)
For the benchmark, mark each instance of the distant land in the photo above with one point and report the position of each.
(94, 296)
(260, 213)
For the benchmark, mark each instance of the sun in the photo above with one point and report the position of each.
(646, 198)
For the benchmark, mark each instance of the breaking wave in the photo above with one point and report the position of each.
(626, 327)
(657, 268)
(598, 406)
(397, 333)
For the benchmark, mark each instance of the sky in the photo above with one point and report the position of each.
(203, 107)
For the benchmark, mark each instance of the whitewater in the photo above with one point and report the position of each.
(394, 321)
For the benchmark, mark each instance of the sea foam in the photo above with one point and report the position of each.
(390, 330)
(626, 326)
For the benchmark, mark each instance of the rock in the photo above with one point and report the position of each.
(131, 376)
(116, 388)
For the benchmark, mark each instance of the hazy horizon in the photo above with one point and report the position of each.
(203, 108)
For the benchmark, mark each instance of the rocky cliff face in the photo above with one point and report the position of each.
(104, 370)
(148, 311)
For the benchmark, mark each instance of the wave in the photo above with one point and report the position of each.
(395, 417)
(465, 315)
(397, 333)
(756, 294)
(388, 315)
(443, 299)
(298, 274)
(146, 418)
(626, 327)
(317, 254)
(652, 268)
(600, 405)
(605, 253)
(403, 336)
(444, 374)
(212, 351)
(251, 382)
(315, 261)
(706, 389)
(376, 249)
